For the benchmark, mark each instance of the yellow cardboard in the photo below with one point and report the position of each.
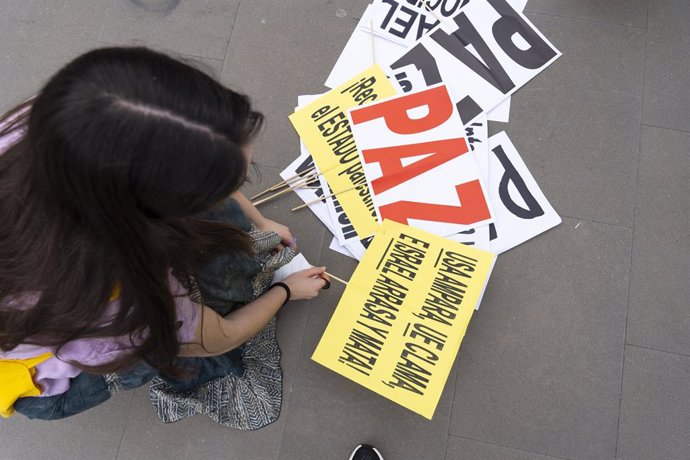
(398, 326)
(324, 128)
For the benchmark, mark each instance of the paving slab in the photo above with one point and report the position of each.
(146, 437)
(193, 28)
(580, 139)
(625, 12)
(585, 163)
(38, 37)
(596, 56)
(655, 409)
(330, 415)
(667, 69)
(92, 434)
(281, 50)
(659, 314)
(469, 449)
(540, 367)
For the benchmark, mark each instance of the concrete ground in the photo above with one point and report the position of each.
(582, 346)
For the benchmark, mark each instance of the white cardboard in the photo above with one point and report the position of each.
(298, 263)
(508, 197)
(357, 54)
(435, 186)
(463, 81)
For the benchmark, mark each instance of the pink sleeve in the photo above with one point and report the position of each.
(97, 351)
(188, 312)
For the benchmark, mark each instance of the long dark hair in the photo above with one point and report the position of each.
(119, 152)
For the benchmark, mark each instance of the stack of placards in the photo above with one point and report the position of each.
(399, 152)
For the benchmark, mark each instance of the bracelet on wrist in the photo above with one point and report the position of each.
(284, 286)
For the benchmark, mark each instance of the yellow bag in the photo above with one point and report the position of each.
(16, 381)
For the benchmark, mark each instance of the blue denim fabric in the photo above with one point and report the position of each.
(204, 370)
(85, 391)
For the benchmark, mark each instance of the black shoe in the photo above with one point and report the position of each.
(366, 452)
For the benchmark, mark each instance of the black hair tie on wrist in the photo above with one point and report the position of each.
(284, 286)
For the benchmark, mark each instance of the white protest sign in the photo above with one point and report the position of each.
(477, 237)
(396, 26)
(477, 134)
(484, 54)
(337, 247)
(356, 249)
(521, 209)
(420, 172)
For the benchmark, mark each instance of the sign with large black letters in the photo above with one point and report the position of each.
(484, 54)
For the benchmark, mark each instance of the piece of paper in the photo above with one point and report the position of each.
(501, 112)
(325, 130)
(297, 264)
(420, 172)
(399, 324)
(484, 54)
(521, 209)
(342, 249)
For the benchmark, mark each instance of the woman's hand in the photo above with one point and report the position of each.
(307, 284)
(268, 225)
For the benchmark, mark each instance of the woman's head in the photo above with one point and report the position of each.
(132, 128)
(122, 149)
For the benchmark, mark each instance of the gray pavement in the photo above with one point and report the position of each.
(582, 346)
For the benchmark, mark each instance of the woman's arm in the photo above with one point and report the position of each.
(216, 334)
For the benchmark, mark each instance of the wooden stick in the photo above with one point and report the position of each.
(323, 198)
(284, 182)
(432, 11)
(373, 47)
(294, 185)
(336, 278)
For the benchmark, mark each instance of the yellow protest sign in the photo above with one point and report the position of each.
(324, 128)
(404, 313)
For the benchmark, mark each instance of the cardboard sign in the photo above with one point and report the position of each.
(398, 326)
(314, 192)
(397, 25)
(421, 173)
(325, 130)
(485, 53)
(354, 250)
(522, 210)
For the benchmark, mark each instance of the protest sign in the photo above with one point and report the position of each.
(399, 324)
(485, 53)
(521, 209)
(356, 249)
(396, 25)
(420, 172)
(477, 237)
(325, 130)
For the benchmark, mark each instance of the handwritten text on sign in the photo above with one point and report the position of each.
(400, 322)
